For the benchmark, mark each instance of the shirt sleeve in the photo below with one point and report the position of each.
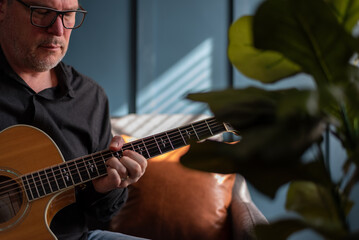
(101, 206)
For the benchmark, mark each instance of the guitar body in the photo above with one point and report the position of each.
(25, 149)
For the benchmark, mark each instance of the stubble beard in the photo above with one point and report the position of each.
(40, 61)
(29, 55)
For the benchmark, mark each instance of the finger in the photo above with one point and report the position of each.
(118, 166)
(138, 158)
(116, 143)
(134, 169)
(118, 178)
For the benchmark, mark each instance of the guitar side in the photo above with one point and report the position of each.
(25, 149)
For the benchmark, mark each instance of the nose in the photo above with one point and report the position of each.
(56, 28)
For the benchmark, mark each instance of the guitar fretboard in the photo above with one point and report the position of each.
(80, 170)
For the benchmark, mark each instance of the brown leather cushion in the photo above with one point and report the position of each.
(174, 202)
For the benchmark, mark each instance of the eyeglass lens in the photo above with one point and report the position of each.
(45, 17)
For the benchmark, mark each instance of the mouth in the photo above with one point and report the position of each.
(51, 47)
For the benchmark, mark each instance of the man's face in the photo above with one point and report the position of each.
(31, 48)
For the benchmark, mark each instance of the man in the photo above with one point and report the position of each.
(37, 89)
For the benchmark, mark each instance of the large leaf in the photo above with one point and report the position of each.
(266, 176)
(318, 205)
(279, 230)
(265, 66)
(242, 108)
(347, 12)
(308, 33)
(282, 229)
(264, 116)
(223, 158)
(266, 150)
(248, 107)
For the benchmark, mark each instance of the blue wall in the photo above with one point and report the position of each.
(99, 49)
(180, 47)
(148, 54)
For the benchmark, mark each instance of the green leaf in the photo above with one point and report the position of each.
(267, 177)
(266, 150)
(294, 102)
(248, 107)
(242, 108)
(211, 156)
(315, 203)
(305, 32)
(264, 116)
(347, 12)
(265, 66)
(282, 229)
(279, 230)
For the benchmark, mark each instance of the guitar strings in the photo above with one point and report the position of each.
(209, 124)
(96, 159)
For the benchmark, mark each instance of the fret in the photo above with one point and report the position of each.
(52, 181)
(90, 167)
(73, 172)
(58, 178)
(152, 147)
(176, 138)
(163, 142)
(38, 184)
(95, 165)
(45, 182)
(140, 148)
(27, 188)
(78, 170)
(187, 133)
(184, 140)
(48, 181)
(101, 165)
(132, 148)
(169, 140)
(158, 146)
(209, 127)
(194, 130)
(33, 189)
(60, 181)
(83, 171)
(216, 128)
(119, 155)
(202, 130)
(66, 173)
(148, 154)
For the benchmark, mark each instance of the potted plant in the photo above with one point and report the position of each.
(284, 134)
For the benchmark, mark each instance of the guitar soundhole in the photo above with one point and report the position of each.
(10, 198)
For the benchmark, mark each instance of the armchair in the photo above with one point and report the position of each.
(174, 202)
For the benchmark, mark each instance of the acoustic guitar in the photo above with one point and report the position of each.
(36, 182)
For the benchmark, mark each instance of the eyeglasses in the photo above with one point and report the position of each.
(44, 17)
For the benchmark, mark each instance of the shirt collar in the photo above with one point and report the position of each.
(64, 78)
(63, 89)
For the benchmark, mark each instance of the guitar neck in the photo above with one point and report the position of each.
(80, 170)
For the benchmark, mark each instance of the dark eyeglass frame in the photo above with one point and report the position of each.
(62, 13)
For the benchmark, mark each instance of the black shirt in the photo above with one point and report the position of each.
(75, 115)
